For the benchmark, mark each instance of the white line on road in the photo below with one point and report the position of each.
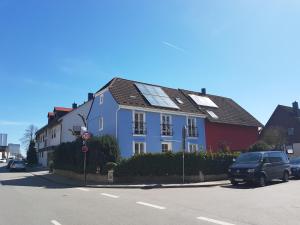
(150, 205)
(214, 221)
(83, 189)
(55, 222)
(109, 195)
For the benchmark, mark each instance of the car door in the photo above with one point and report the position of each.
(267, 167)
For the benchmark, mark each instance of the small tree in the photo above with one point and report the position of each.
(274, 136)
(29, 135)
(31, 154)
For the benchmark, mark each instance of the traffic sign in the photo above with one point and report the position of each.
(84, 148)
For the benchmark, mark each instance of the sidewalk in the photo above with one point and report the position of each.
(44, 174)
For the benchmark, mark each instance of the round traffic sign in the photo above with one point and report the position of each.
(84, 148)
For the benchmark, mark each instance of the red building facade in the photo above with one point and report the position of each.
(234, 137)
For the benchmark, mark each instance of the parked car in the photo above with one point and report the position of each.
(259, 168)
(10, 161)
(2, 160)
(18, 165)
(295, 167)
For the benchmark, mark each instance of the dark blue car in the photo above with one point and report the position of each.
(295, 167)
(259, 168)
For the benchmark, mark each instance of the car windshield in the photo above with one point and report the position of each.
(18, 162)
(249, 158)
(295, 161)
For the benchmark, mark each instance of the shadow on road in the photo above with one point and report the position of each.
(250, 186)
(26, 179)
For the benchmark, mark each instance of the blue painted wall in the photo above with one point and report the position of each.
(123, 127)
(107, 110)
(153, 138)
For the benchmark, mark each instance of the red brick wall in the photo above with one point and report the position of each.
(235, 136)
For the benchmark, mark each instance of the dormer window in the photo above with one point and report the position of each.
(101, 99)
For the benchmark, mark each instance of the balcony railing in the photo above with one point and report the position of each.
(139, 128)
(166, 129)
(192, 131)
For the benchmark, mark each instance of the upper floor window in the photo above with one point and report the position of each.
(139, 125)
(139, 148)
(192, 127)
(166, 125)
(101, 99)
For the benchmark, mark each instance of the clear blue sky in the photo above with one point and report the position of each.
(53, 53)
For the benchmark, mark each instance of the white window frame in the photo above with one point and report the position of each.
(144, 122)
(138, 142)
(196, 128)
(161, 123)
(101, 123)
(192, 144)
(101, 99)
(170, 146)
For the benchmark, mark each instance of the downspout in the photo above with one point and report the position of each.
(117, 122)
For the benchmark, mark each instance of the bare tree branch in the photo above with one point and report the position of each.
(29, 135)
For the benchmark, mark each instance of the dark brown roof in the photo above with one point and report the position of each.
(126, 93)
(228, 111)
(286, 117)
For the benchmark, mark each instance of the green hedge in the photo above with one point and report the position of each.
(68, 156)
(161, 164)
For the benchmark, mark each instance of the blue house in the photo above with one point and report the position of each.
(146, 118)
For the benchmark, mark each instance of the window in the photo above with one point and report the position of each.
(192, 127)
(100, 123)
(139, 125)
(166, 125)
(101, 99)
(166, 146)
(139, 148)
(290, 131)
(212, 114)
(179, 100)
(193, 148)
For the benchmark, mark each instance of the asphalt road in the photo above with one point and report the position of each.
(30, 200)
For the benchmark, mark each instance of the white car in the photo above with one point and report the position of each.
(2, 160)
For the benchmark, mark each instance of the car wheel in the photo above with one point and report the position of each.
(285, 176)
(262, 181)
(233, 182)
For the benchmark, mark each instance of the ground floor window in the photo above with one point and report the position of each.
(193, 148)
(166, 146)
(139, 148)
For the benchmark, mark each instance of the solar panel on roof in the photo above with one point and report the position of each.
(156, 96)
(203, 101)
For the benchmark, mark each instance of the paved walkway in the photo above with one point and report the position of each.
(44, 174)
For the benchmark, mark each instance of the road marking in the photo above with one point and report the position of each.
(55, 222)
(214, 221)
(109, 195)
(83, 189)
(150, 205)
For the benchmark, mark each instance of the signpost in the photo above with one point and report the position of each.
(85, 136)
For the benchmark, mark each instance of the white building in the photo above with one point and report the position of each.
(62, 123)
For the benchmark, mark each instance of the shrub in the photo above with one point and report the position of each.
(68, 156)
(160, 164)
(260, 146)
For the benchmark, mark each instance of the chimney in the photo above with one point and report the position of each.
(90, 96)
(203, 91)
(74, 105)
(296, 108)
